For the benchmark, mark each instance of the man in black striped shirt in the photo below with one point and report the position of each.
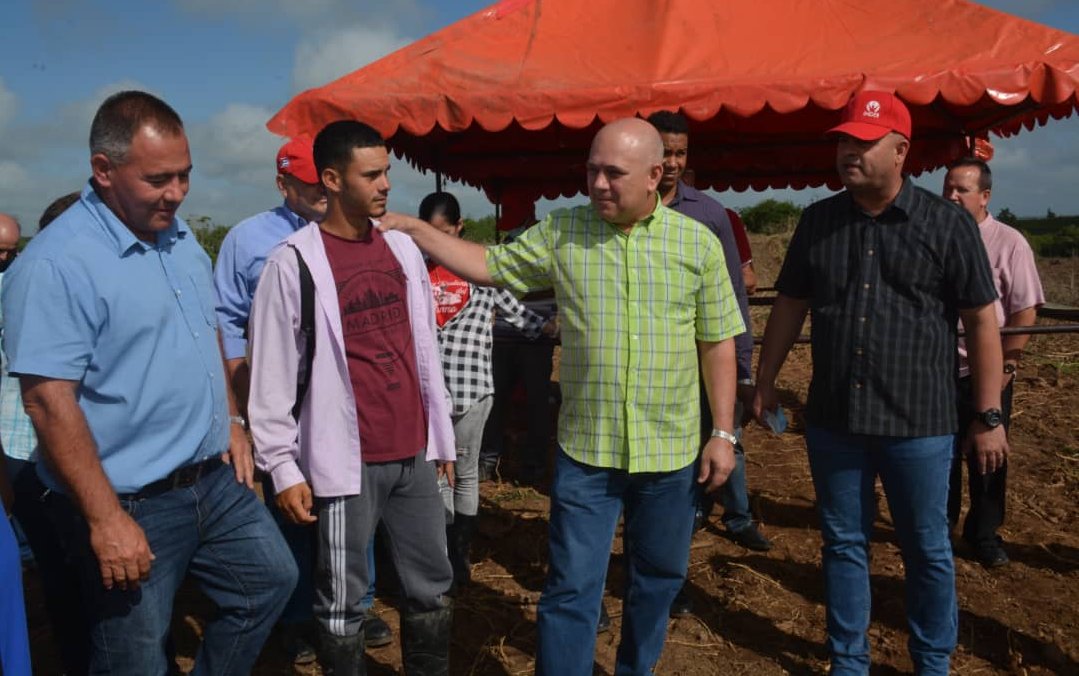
(887, 269)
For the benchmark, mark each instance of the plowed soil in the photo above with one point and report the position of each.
(763, 613)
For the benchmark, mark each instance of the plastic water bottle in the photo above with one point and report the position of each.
(776, 420)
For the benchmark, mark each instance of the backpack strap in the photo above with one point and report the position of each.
(307, 330)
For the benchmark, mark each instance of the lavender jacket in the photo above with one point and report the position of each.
(323, 448)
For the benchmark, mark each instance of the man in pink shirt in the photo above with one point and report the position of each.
(969, 183)
(373, 430)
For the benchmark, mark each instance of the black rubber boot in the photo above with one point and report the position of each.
(425, 641)
(459, 545)
(341, 655)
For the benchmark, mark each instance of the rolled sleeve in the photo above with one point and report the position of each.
(718, 315)
(50, 324)
(523, 265)
(795, 279)
(233, 299)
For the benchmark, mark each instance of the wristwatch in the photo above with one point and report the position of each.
(991, 417)
(724, 435)
(238, 420)
(1009, 369)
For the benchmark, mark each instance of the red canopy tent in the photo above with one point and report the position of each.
(509, 98)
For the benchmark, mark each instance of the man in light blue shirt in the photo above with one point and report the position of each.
(110, 327)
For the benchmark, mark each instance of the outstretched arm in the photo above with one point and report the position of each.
(466, 259)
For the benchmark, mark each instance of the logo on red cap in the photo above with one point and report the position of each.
(870, 115)
(296, 158)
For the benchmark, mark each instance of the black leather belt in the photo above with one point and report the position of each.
(178, 478)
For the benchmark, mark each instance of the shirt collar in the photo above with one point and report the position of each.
(680, 193)
(295, 220)
(904, 200)
(120, 234)
(644, 221)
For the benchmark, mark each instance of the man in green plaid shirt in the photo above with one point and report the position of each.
(643, 293)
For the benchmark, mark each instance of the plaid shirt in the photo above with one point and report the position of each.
(885, 293)
(16, 431)
(632, 306)
(465, 342)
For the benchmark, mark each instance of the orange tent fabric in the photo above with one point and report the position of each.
(509, 98)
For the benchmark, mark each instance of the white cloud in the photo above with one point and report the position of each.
(71, 123)
(235, 144)
(13, 178)
(324, 57)
(9, 105)
(314, 16)
(25, 193)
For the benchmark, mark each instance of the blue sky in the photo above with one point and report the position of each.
(228, 65)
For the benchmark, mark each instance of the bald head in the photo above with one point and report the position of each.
(635, 135)
(9, 240)
(624, 168)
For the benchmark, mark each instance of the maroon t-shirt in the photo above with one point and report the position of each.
(373, 300)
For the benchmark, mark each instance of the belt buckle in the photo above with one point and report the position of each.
(187, 476)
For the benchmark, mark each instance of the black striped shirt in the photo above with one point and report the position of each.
(885, 293)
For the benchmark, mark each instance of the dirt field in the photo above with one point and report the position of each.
(763, 613)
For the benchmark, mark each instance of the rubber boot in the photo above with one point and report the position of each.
(341, 655)
(459, 544)
(425, 641)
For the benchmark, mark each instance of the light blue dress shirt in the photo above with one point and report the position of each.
(133, 323)
(239, 264)
(16, 431)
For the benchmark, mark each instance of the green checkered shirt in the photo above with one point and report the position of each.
(632, 307)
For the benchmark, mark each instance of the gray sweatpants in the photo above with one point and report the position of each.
(404, 496)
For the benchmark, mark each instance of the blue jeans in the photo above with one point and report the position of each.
(586, 502)
(914, 473)
(303, 543)
(218, 532)
(734, 496)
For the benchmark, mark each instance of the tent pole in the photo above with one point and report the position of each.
(438, 181)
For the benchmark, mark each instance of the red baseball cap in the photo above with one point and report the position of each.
(297, 158)
(870, 115)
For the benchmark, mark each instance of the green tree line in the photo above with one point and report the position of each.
(1051, 236)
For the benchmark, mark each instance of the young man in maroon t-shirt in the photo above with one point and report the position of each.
(373, 434)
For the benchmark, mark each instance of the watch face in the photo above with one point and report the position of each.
(1009, 368)
(992, 417)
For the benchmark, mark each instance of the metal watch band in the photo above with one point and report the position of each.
(238, 420)
(724, 435)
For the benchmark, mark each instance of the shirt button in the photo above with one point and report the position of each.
(634, 336)
(196, 334)
(861, 319)
(865, 286)
(857, 385)
(177, 293)
(858, 351)
(870, 252)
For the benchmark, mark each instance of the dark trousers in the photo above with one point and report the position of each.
(531, 363)
(59, 579)
(986, 512)
(215, 530)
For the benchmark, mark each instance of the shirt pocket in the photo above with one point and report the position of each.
(207, 301)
